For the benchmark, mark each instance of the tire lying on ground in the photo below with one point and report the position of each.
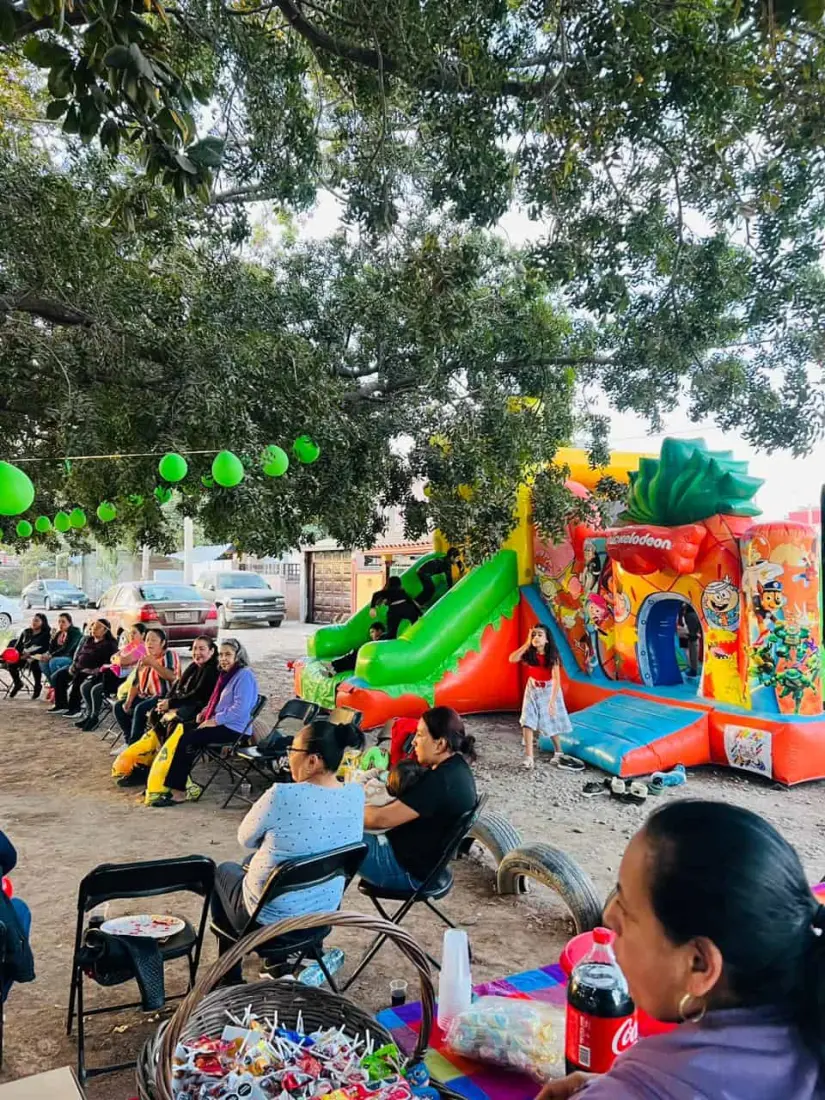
(560, 872)
(493, 832)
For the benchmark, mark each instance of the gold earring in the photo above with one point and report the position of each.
(696, 1017)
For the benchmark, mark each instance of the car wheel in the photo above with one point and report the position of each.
(47, 604)
(5, 621)
(275, 622)
(223, 622)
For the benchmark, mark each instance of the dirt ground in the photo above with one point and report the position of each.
(65, 816)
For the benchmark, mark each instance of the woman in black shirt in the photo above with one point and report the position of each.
(400, 606)
(33, 642)
(423, 819)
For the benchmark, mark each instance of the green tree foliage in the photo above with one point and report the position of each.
(668, 150)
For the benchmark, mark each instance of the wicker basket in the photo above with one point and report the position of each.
(203, 1010)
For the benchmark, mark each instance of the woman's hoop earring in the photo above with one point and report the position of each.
(696, 1017)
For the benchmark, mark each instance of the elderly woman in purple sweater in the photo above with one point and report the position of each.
(227, 715)
(716, 928)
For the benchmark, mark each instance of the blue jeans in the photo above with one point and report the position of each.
(54, 665)
(24, 916)
(381, 868)
(133, 722)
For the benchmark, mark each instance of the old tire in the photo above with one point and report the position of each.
(5, 621)
(560, 872)
(493, 832)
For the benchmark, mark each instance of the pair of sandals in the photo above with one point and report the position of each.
(631, 792)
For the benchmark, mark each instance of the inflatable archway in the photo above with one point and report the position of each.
(689, 536)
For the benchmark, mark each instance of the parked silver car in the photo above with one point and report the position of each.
(243, 598)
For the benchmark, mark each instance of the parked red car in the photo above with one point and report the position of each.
(179, 609)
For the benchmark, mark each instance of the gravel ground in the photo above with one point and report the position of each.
(65, 816)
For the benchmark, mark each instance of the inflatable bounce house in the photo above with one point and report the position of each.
(689, 632)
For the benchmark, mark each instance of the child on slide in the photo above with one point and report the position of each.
(543, 710)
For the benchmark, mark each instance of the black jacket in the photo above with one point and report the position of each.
(19, 962)
(73, 636)
(196, 684)
(39, 641)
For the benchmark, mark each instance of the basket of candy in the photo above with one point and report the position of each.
(280, 1040)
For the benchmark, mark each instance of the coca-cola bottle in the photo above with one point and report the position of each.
(601, 1016)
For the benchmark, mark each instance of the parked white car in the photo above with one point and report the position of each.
(10, 612)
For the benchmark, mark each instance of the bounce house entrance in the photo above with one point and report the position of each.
(669, 648)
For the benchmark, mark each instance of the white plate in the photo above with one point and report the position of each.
(150, 926)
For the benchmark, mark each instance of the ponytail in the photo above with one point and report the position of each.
(445, 724)
(722, 872)
(330, 740)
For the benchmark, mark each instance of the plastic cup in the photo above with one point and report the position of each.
(454, 983)
(398, 992)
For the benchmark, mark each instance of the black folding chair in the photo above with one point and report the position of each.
(299, 874)
(268, 759)
(116, 881)
(222, 755)
(435, 886)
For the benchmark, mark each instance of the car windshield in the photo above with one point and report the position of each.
(167, 593)
(64, 586)
(240, 580)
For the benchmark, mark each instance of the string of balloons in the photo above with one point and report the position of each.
(17, 491)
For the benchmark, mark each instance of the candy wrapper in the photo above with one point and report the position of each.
(523, 1035)
(255, 1059)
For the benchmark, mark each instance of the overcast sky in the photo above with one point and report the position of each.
(790, 483)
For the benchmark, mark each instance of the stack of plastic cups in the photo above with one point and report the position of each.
(454, 982)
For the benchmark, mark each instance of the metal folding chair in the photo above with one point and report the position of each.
(222, 755)
(289, 876)
(268, 758)
(113, 881)
(436, 886)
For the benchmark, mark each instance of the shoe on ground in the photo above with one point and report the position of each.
(72, 714)
(36, 693)
(58, 710)
(117, 750)
(570, 763)
(591, 789)
(529, 763)
(618, 787)
(14, 691)
(636, 794)
(90, 724)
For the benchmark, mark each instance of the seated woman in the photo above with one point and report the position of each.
(421, 820)
(94, 651)
(32, 644)
(716, 928)
(227, 715)
(400, 606)
(157, 670)
(16, 918)
(313, 814)
(62, 645)
(191, 693)
(131, 647)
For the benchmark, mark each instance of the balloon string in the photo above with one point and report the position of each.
(82, 458)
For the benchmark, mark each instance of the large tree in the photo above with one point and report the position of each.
(669, 150)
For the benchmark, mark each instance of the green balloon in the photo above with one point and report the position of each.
(62, 523)
(305, 449)
(173, 467)
(24, 529)
(16, 490)
(275, 461)
(135, 499)
(43, 524)
(227, 470)
(163, 494)
(208, 482)
(106, 511)
(77, 518)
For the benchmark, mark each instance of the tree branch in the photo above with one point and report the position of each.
(56, 313)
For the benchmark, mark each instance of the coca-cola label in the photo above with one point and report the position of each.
(593, 1043)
